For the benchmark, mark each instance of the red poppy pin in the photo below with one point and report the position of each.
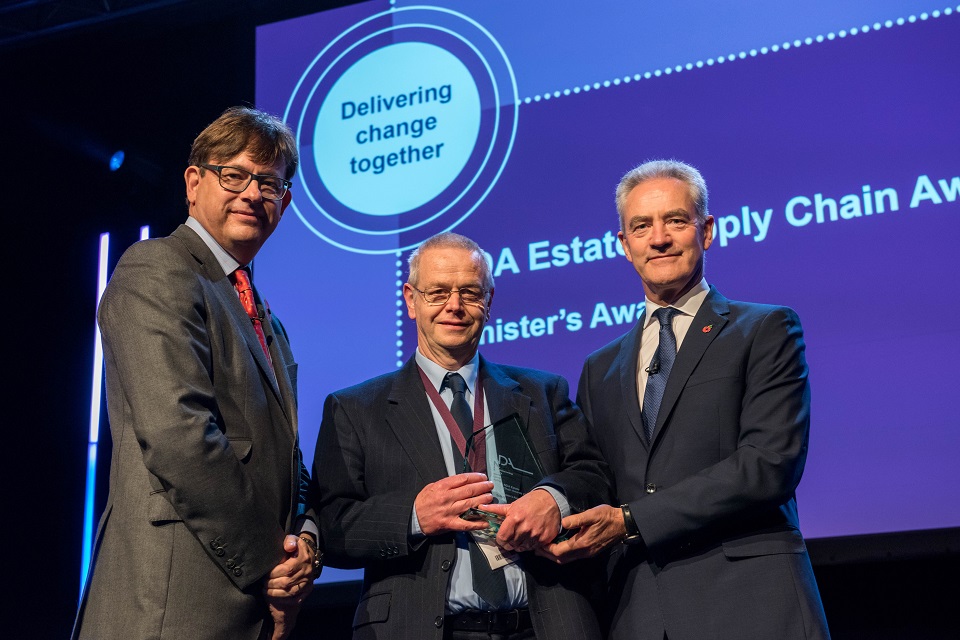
(708, 328)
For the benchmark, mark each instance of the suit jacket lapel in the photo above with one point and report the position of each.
(627, 361)
(230, 303)
(504, 397)
(502, 394)
(250, 336)
(280, 375)
(408, 415)
(713, 313)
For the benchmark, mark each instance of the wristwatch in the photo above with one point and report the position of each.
(317, 555)
(633, 532)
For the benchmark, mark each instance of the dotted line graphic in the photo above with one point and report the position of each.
(689, 66)
(742, 55)
(400, 308)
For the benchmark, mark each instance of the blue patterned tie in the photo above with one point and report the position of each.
(659, 370)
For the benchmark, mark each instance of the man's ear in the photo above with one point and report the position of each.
(707, 233)
(192, 179)
(626, 246)
(408, 294)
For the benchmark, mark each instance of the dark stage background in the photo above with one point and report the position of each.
(147, 84)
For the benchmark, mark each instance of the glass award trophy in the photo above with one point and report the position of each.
(512, 465)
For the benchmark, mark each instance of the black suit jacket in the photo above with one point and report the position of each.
(378, 448)
(713, 496)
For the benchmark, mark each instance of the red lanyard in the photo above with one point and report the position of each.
(478, 451)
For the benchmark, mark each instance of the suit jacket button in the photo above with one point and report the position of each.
(445, 565)
(231, 564)
(238, 572)
(383, 554)
(651, 488)
(219, 552)
(438, 622)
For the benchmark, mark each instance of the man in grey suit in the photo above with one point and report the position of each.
(206, 477)
(706, 443)
(389, 495)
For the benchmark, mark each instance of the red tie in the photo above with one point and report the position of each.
(241, 282)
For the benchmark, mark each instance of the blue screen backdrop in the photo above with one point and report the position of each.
(826, 131)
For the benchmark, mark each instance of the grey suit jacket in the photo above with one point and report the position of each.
(713, 496)
(206, 475)
(378, 448)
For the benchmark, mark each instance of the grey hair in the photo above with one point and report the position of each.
(451, 240)
(664, 169)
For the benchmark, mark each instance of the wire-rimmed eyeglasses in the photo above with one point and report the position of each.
(436, 296)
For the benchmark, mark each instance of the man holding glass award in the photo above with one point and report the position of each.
(409, 464)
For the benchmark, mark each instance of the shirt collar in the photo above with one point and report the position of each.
(227, 262)
(436, 373)
(688, 304)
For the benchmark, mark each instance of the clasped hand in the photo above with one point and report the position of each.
(530, 522)
(439, 504)
(595, 530)
(288, 585)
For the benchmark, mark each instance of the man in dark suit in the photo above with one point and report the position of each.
(702, 411)
(206, 477)
(389, 495)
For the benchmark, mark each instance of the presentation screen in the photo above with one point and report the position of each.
(828, 136)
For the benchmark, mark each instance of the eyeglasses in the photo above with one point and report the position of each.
(468, 295)
(236, 180)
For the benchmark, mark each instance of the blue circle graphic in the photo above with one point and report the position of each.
(405, 122)
(397, 128)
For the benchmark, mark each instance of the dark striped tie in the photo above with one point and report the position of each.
(489, 584)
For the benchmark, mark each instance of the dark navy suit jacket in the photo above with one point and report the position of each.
(713, 495)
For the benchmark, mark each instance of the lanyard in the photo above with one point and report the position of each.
(477, 456)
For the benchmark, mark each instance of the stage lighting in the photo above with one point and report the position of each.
(116, 160)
